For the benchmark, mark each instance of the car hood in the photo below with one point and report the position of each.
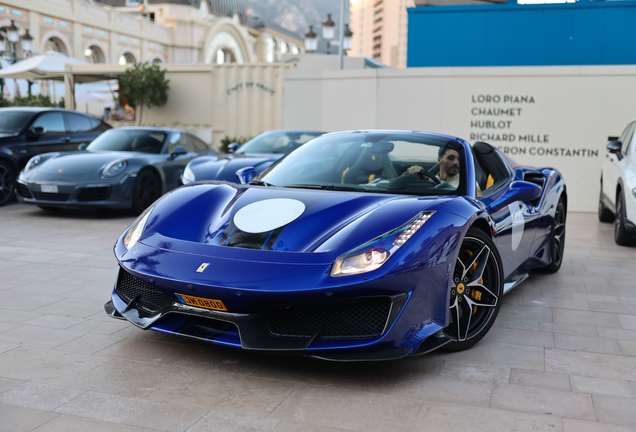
(214, 214)
(79, 163)
(205, 168)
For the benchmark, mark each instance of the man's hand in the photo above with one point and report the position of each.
(414, 169)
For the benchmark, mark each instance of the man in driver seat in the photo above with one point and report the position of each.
(448, 161)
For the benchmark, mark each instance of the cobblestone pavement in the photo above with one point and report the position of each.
(561, 358)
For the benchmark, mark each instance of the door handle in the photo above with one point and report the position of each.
(65, 139)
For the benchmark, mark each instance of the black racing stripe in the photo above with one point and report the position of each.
(247, 240)
(272, 239)
(228, 231)
(185, 325)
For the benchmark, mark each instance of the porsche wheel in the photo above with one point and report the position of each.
(621, 235)
(476, 291)
(147, 190)
(557, 239)
(7, 183)
(604, 214)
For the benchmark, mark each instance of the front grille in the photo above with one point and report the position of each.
(355, 319)
(24, 191)
(150, 301)
(45, 196)
(98, 193)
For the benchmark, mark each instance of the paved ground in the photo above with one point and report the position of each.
(562, 357)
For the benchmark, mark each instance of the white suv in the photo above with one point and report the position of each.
(617, 201)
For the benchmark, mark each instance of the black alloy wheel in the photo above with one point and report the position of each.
(621, 235)
(476, 291)
(146, 191)
(7, 183)
(604, 214)
(557, 239)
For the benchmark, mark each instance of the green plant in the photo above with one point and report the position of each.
(227, 140)
(33, 101)
(144, 84)
(4, 102)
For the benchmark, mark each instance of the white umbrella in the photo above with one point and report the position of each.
(6, 92)
(44, 87)
(49, 65)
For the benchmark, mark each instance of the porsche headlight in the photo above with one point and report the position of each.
(137, 228)
(114, 168)
(32, 163)
(187, 176)
(374, 254)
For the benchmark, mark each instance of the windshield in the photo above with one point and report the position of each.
(144, 141)
(379, 162)
(279, 142)
(11, 122)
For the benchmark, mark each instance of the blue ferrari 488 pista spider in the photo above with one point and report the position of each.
(363, 245)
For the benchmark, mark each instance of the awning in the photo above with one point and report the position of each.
(50, 65)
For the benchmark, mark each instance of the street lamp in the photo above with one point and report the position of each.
(348, 37)
(329, 34)
(12, 34)
(328, 31)
(311, 40)
(27, 42)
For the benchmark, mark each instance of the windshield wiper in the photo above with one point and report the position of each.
(260, 183)
(327, 187)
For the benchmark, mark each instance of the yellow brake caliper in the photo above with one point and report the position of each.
(475, 294)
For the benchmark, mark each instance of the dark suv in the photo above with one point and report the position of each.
(26, 132)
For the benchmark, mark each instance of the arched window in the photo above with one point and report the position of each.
(94, 54)
(270, 49)
(127, 58)
(204, 8)
(51, 45)
(225, 56)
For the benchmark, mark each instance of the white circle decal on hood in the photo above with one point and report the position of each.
(268, 215)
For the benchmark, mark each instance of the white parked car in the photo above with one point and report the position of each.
(617, 201)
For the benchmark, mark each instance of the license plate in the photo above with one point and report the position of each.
(202, 302)
(49, 188)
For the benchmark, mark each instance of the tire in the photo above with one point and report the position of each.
(476, 291)
(621, 235)
(604, 214)
(557, 239)
(7, 183)
(146, 191)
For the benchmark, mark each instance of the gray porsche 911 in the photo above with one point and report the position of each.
(126, 168)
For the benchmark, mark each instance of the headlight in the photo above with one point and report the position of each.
(634, 192)
(137, 228)
(187, 176)
(114, 168)
(32, 163)
(373, 254)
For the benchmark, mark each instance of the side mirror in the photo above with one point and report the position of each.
(178, 151)
(233, 147)
(245, 175)
(38, 130)
(518, 191)
(614, 147)
(82, 146)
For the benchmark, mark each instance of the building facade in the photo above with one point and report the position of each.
(380, 30)
(158, 31)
